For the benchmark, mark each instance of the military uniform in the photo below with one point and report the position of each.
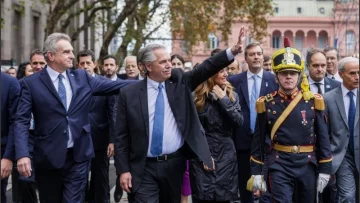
(295, 139)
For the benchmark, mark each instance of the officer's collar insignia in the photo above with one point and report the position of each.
(286, 96)
(269, 97)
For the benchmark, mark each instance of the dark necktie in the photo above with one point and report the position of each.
(158, 126)
(318, 85)
(333, 77)
(62, 90)
(351, 120)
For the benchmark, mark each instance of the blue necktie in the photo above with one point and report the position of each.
(62, 90)
(254, 96)
(158, 127)
(351, 120)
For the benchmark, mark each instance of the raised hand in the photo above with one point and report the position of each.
(237, 48)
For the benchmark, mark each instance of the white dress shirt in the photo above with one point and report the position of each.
(336, 76)
(313, 86)
(347, 98)
(172, 139)
(251, 82)
(54, 76)
(114, 78)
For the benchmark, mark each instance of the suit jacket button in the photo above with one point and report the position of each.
(64, 131)
(348, 135)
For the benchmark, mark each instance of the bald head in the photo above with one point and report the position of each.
(131, 67)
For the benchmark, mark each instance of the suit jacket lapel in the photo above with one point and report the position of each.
(327, 84)
(340, 104)
(73, 89)
(264, 84)
(244, 88)
(144, 104)
(169, 86)
(357, 110)
(45, 78)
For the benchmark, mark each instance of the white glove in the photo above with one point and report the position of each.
(322, 181)
(259, 183)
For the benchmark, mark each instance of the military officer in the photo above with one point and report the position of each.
(291, 130)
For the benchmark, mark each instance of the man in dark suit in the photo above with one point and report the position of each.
(151, 156)
(10, 90)
(60, 102)
(249, 85)
(110, 69)
(100, 115)
(316, 64)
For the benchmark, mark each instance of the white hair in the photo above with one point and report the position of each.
(342, 62)
(50, 43)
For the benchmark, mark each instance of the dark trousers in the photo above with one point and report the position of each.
(23, 191)
(65, 185)
(161, 182)
(243, 158)
(4, 183)
(99, 180)
(284, 179)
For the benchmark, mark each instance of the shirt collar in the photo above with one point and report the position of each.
(250, 74)
(153, 84)
(54, 74)
(114, 77)
(345, 90)
(311, 81)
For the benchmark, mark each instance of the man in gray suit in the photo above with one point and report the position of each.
(343, 125)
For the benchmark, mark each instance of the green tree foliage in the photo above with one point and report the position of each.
(193, 20)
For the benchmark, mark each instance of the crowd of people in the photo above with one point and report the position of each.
(265, 130)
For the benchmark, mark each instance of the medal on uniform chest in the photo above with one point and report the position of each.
(303, 114)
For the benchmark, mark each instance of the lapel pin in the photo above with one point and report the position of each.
(72, 74)
(327, 86)
(266, 84)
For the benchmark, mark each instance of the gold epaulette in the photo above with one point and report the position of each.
(319, 102)
(260, 105)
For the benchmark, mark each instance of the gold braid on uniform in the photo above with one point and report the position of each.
(319, 102)
(260, 105)
(307, 94)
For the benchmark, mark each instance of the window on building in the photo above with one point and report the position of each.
(184, 47)
(213, 41)
(322, 41)
(299, 10)
(276, 9)
(17, 37)
(350, 41)
(276, 42)
(299, 42)
(36, 32)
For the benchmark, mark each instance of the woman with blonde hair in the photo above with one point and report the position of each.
(219, 112)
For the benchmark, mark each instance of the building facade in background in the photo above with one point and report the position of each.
(23, 30)
(307, 23)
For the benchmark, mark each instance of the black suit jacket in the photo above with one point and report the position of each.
(100, 115)
(132, 123)
(10, 90)
(329, 84)
(242, 135)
